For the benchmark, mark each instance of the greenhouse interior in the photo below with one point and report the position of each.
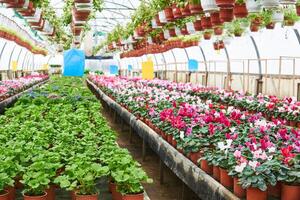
(150, 99)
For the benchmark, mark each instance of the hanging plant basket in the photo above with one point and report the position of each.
(15, 4)
(226, 14)
(254, 27)
(195, 8)
(197, 25)
(206, 22)
(218, 30)
(215, 19)
(184, 30)
(172, 32)
(240, 10)
(269, 3)
(169, 14)
(225, 3)
(270, 25)
(207, 35)
(158, 23)
(176, 12)
(185, 11)
(81, 15)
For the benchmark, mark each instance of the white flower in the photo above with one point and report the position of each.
(230, 109)
(240, 168)
(272, 149)
(181, 134)
(232, 129)
(253, 164)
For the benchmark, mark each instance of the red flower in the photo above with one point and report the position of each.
(287, 154)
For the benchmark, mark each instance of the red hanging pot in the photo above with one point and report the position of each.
(184, 31)
(215, 19)
(270, 25)
(237, 189)
(158, 23)
(218, 30)
(207, 35)
(195, 8)
(298, 10)
(226, 14)
(206, 23)
(176, 12)
(172, 32)
(197, 25)
(169, 14)
(185, 11)
(254, 27)
(225, 3)
(240, 10)
(256, 194)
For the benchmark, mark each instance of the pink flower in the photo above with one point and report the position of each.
(237, 154)
(189, 131)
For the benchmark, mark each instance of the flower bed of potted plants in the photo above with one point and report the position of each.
(252, 153)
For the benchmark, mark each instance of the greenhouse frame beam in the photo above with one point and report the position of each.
(297, 35)
(205, 64)
(228, 79)
(258, 57)
(25, 56)
(10, 57)
(2, 50)
(118, 4)
(186, 53)
(19, 55)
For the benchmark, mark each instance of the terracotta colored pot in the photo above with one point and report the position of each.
(169, 138)
(298, 124)
(225, 179)
(169, 14)
(270, 26)
(218, 30)
(158, 21)
(195, 8)
(197, 25)
(298, 10)
(133, 197)
(43, 197)
(206, 23)
(216, 172)
(206, 167)
(184, 30)
(115, 194)
(237, 189)
(195, 156)
(274, 191)
(172, 32)
(186, 11)
(254, 28)
(86, 197)
(290, 192)
(240, 10)
(176, 12)
(256, 194)
(11, 193)
(5, 195)
(226, 14)
(50, 193)
(225, 3)
(215, 19)
(174, 142)
(207, 36)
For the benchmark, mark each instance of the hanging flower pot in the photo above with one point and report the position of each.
(15, 4)
(237, 188)
(206, 167)
(298, 9)
(133, 196)
(158, 23)
(270, 3)
(226, 14)
(225, 3)
(240, 10)
(185, 11)
(42, 197)
(169, 14)
(216, 173)
(218, 30)
(274, 191)
(207, 35)
(176, 12)
(254, 27)
(206, 22)
(256, 194)
(184, 30)
(209, 6)
(225, 179)
(215, 19)
(195, 8)
(270, 25)
(290, 192)
(197, 25)
(172, 32)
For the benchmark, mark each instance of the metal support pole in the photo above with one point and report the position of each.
(228, 78)
(9, 63)
(175, 79)
(258, 58)
(297, 35)
(165, 71)
(205, 64)
(25, 56)
(2, 50)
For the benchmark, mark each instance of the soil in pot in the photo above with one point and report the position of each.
(216, 172)
(270, 26)
(237, 188)
(4, 195)
(133, 196)
(256, 194)
(290, 192)
(225, 179)
(42, 197)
